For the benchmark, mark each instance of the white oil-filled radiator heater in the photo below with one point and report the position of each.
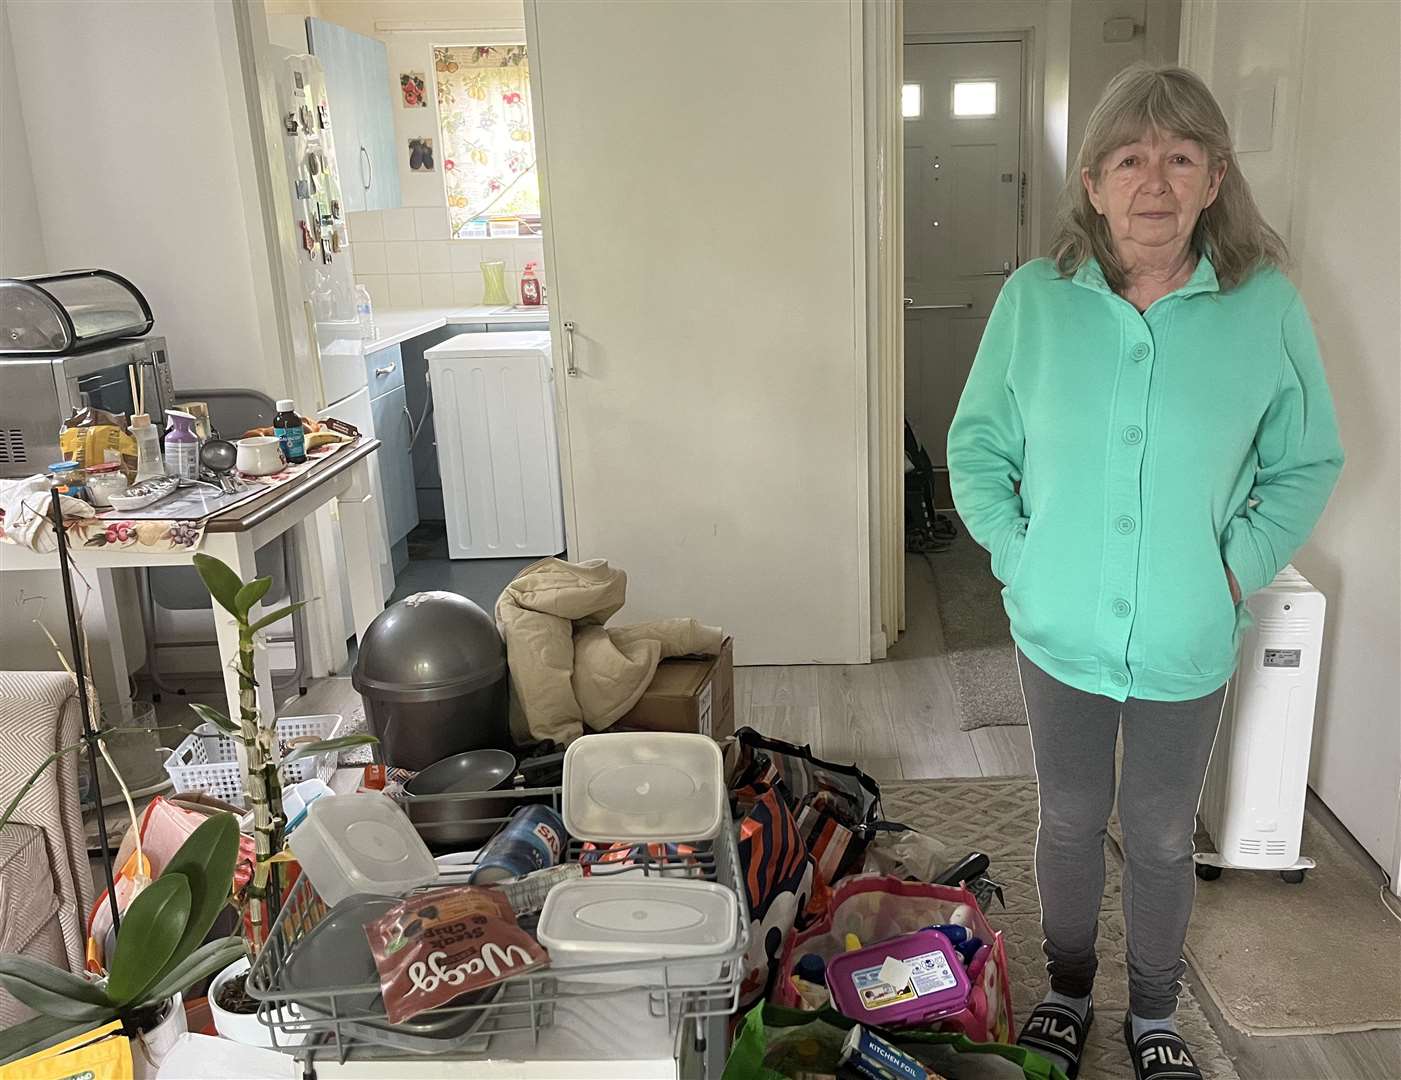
(1253, 801)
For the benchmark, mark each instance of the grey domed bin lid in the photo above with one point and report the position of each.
(427, 647)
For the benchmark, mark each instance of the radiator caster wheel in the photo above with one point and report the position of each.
(1207, 872)
(1292, 877)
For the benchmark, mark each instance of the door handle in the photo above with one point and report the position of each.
(570, 368)
(909, 301)
(910, 305)
(367, 169)
(1005, 272)
(388, 369)
(311, 330)
(408, 418)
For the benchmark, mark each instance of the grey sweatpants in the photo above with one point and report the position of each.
(1166, 748)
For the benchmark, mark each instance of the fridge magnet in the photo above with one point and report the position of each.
(421, 155)
(412, 87)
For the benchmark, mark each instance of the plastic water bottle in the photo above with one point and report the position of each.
(365, 310)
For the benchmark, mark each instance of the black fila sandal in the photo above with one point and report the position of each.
(1059, 1030)
(1160, 1055)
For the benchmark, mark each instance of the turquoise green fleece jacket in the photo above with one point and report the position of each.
(1111, 462)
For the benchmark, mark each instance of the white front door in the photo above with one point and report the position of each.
(702, 230)
(963, 200)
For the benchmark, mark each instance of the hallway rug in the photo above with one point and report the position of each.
(998, 816)
(1253, 936)
(977, 639)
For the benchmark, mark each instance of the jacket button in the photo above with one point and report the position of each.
(1125, 524)
(1133, 434)
(1140, 351)
(1119, 679)
(1121, 608)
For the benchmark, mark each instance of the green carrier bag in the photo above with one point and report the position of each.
(775, 1043)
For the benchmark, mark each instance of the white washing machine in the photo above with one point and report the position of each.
(498, 450)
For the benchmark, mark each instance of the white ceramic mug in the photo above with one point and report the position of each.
(260, 455)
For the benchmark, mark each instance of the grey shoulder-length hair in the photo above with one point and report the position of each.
(1144, 98)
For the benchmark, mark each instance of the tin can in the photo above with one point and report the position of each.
(532, 840)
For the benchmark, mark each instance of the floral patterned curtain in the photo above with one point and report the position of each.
(488, 150)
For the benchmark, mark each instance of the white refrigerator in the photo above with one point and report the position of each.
(322, 294)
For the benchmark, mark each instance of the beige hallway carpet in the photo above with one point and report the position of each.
(999, 817)
(1320, 957)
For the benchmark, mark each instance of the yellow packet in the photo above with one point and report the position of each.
(101, 1054)
(88, 435)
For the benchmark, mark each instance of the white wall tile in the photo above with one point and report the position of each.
(467, 289)
(431, 222)
(434, 257)
(401, 257)
(502, 249)
(368, 257)
(405, 291)
(364, 225)
(437, 289)
(398, 224)
(466, 256)
(532, 250)
(378, 287)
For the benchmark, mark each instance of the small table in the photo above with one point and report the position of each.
(234, 535)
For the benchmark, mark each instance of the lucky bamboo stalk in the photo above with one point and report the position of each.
(262, 757)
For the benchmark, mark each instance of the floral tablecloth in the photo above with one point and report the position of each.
(139, 530)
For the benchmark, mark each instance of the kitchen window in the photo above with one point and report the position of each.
(487, 146)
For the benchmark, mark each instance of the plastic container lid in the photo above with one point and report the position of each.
(643, 786)
(284, 404)
(63, 466)
(594, 920)
(105, 467)
(914, 978)
(361, 843)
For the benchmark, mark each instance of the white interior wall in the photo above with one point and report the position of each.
(1346, 238)
(129, 119)
(1324, 165)
(1094, 61)
(21, 236)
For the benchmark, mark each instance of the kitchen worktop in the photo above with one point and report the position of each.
(397, 325)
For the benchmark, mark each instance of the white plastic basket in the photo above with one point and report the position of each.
(207, 759)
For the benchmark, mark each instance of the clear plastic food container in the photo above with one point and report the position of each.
(639, 921)
(643, 786)
(361, 843)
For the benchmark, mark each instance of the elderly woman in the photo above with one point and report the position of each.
(1146, 437)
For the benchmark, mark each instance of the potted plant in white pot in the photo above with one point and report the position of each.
(160, 952)
(234, 1012)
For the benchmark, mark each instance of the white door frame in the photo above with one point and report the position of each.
(1025, 144)
(883, 73)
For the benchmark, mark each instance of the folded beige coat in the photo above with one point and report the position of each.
(568, 671)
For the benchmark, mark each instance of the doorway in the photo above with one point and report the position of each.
(964, 108)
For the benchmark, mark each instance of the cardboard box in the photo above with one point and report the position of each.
(689, 694)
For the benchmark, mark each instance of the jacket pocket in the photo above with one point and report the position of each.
(1189, 625)
(1010, 558)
